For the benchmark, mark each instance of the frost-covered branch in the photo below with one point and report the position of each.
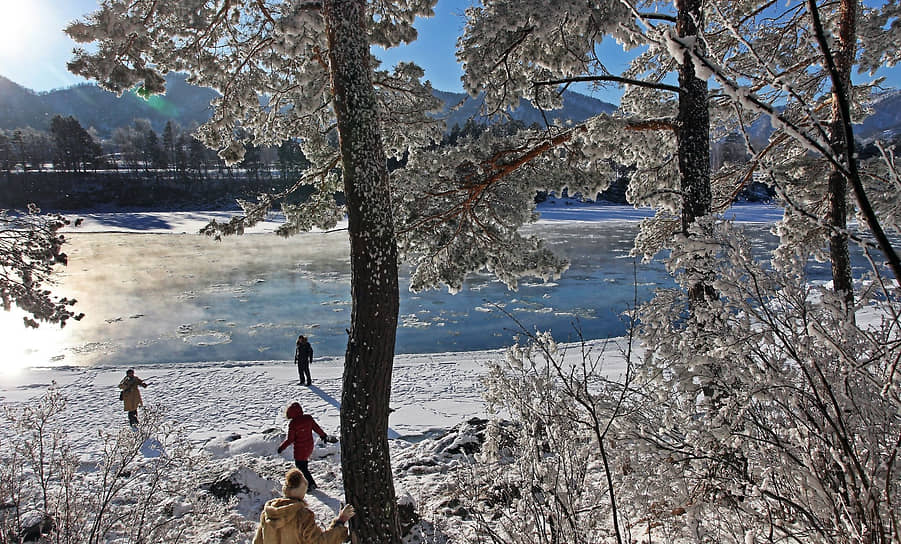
(750, 101)
(841, 94)
(561, 405)
(254, 212)
(30, 247)
(612, 79)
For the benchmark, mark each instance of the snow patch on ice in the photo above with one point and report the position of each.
(207, 338)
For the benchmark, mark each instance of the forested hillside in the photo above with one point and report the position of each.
(189, 105)
(128, 151)
(102, 110)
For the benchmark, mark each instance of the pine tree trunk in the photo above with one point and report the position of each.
(693, 135)
(843, 99)
(838, 187)
(365, 460)
(842, 282)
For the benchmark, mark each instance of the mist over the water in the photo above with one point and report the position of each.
(162, 298)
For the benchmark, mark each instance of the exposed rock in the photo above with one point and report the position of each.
(454, 507)
(407, 515)
(226, 487)
(34, 524)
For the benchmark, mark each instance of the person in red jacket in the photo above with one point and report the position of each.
(300, 435)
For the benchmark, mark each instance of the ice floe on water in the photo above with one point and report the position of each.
(207, 338)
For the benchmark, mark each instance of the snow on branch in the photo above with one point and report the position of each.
(254, 212)
(612, 79)
(30, 248)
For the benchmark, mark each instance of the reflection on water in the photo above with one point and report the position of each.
(186, 298)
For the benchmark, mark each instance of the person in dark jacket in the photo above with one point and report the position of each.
(303, 356)
(300, 435)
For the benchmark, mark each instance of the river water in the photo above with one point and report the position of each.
(162, 298)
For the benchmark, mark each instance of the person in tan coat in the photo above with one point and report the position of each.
(287, 520)
(131, 396)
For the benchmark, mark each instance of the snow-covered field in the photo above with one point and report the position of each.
(234, 410)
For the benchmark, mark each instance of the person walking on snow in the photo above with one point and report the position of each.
(288, 520)
(131, 395)
(300, 435)
(303, 356)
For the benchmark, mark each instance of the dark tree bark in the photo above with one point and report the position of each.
(365, 460)
(842, 95)
(838, 187)
(693, 134)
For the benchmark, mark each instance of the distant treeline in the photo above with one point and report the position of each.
(138, 189)
(69, 168)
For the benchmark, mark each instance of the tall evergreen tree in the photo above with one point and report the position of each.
(5, 152)
(533, 50)
(817, 107)
(170, 140)
(291, 160)
(312, 60)
(180, 156)
(75, 147)
(17, 148)
(197, 158)
(155, 152)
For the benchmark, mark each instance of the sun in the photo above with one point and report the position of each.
(19, 22)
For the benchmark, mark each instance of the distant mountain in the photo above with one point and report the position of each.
(576, 107)
(95, 107)
(885, 122)
(189, 105)
(98, 108)
(20, 107)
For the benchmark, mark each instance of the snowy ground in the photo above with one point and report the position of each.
(234, 409)
(552, 210)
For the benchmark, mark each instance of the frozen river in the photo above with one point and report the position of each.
(159, 298)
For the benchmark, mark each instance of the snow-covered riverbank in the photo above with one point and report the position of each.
(233, 410)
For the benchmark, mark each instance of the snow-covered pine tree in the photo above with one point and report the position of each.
(781, 59)
(534, 50)
(755, 388)
(365, 458)
(299, 69)
(750, 416)
(31, 246)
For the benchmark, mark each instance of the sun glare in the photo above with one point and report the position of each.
(19, 21)
(25, 347)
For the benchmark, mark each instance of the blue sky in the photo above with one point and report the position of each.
(34, 50)
(33, 47)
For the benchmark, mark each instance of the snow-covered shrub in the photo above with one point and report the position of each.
(140, 487)
(30, 249)
(767, 413)
(771, 412)
(545, 477)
